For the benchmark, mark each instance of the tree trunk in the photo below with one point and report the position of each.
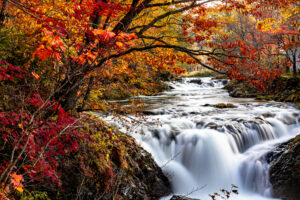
(67, 94)
(294, 64)
(3, 10)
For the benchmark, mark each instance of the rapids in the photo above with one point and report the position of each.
(203, 149)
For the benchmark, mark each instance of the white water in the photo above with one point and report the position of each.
(199, 146)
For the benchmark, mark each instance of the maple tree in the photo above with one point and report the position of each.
(81, 37)
(34, 133)
(58, 56)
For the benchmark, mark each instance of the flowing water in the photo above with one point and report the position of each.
(203, 149)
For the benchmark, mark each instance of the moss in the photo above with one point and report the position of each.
(293, 98)
(34, 195)
(296, 139)
(223, 105)
(270, 97)
(260, 97)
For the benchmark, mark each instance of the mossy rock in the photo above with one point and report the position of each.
(224, 105)
(260, 97)
(270, 97)
(293, 98)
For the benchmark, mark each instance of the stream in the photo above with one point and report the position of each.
(203, 149)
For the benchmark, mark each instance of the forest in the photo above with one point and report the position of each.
(68, 65)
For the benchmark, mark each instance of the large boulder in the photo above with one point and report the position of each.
(128, 172)
(285, 170)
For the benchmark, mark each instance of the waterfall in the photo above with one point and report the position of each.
(203, 149)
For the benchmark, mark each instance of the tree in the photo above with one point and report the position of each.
(80, 37)
(57, 56)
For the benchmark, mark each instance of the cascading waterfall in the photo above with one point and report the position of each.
(203, 149)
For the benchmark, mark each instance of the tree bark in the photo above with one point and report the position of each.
(294, 64)
(3, 9)
(67, 94)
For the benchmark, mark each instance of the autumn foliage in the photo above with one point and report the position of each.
(60, 58)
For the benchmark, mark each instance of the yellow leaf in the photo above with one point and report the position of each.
(20, 189)
(119, 44)
(35, 75)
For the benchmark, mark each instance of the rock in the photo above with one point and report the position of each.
(130, 175)
(268, 114)
(288, 120)
(200, 123)
(195, 113)
(211, 125)
(285, 170)
(236, 93)
(148, 112)
(196, 81)
(223, 105)
(225, 82)
(178, 197)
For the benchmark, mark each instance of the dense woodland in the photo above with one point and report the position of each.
(60, 59)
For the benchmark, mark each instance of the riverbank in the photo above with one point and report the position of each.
(111, 165)
(204, 73)
(283, 89)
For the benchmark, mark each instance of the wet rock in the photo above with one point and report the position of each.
(288, 120)
(200, 123)
(211, 125)
(285, 170)
(196, 81)
(268, 114)
(175, 131)
(275, 153)
(148, 112)
(184, 114)
(225, 82)
(178, 197)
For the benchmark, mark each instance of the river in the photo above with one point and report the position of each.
(203, 149)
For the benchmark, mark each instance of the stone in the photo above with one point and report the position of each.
(268, 114)
(196, 81)
(223, 105)
(179, 197)
(285, 171)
